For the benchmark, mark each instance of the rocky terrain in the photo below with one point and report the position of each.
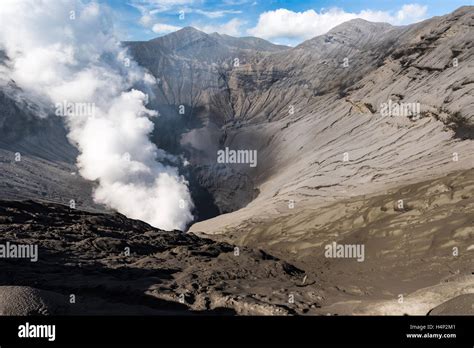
(36, 159)
(331, 168)
(116, 265)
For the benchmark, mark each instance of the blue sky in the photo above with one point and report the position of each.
(280, 21)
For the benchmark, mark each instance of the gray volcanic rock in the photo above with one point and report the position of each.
(34, 177)
(191, 68)
(193, 44)
(311, 69)
(86, 254)
(24, 128)
(36, 158)
(229, 189)
(460, 305)
(304, 125)
(23, 300)
(28, 301)
(423, 250)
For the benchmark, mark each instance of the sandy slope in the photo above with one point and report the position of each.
(405, 249)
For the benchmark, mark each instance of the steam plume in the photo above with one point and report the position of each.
(64, 52)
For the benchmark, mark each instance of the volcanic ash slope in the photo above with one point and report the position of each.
(336, 169)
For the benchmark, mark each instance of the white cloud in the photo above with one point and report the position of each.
(156, 6)
(164, 28)
(150, 8)
(146, 20)
(58, 60)
(235, 2)
(410, 13)
(216, 14)
(299, 26)
(232, 27)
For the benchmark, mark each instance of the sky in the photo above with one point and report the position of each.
(286, 22)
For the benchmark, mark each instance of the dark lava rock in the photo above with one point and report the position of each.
(115, 265)
(460, 305)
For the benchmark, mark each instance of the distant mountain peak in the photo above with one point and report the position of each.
(189, 30)
(360, 25)
(355, 30)
(184, 33)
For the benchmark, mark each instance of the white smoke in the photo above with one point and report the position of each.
(65, 52)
